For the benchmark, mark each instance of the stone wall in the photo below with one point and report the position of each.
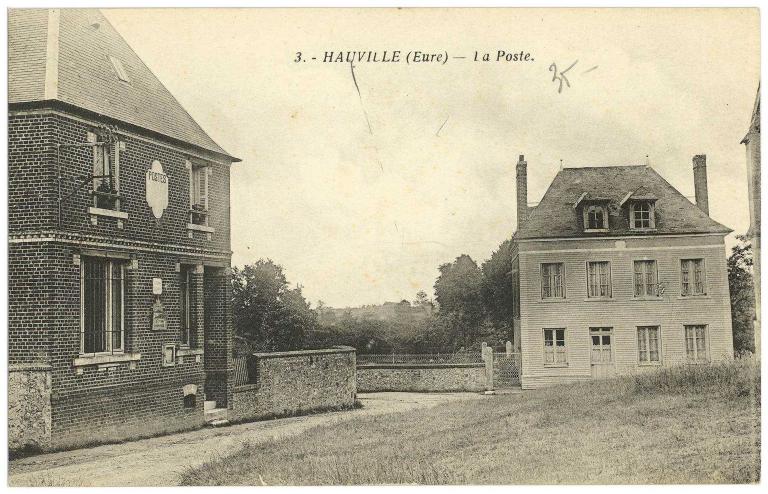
(289, 383)
(29, 406)
(421, 377)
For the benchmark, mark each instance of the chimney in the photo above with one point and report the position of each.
(700, 182)
(522, 191)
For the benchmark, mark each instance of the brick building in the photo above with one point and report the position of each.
(615, 272)
(119, 242)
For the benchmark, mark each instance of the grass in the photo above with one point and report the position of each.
(693, 424)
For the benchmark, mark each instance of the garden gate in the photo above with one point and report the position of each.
(506, 370)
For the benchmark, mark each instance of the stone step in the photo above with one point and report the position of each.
(215, 414)
(209, 405)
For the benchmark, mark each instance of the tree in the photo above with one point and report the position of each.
(458, 293)
(742, 290)
(498, 285)
(269, 315)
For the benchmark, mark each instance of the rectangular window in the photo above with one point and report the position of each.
(199, 195)
(601, 345)
(692, 277)
(648, 345)
(595, 218)
(185, 288)
(642, 215)
(599, 279)
(102, 291)
(554, 347)
(553, 280)
(696, 343)
(646, 279)
(105, 176)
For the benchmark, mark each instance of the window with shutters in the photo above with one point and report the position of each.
(552, 280)
(106, 182)
(648, 345)
(696, 343)
(199, 177)
(646, 279)
(555, 351)
(599, 279)
(102, 296)
(693, 279)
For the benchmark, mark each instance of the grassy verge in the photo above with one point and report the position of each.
(695, 424)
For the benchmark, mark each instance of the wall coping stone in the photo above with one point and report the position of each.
(246, 387)
(421, 366)
(33, 366)
(299, 353)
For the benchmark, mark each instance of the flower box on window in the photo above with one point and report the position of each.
(198, 214)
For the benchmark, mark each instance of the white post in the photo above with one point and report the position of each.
(509, 348)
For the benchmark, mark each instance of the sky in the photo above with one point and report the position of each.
(360, 188)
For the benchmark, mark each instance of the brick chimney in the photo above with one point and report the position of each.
(700, 182)
(522, 191)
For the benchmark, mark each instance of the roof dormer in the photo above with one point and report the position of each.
(641, 208)
(594, 213)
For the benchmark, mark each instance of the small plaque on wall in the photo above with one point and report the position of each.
(158, 316)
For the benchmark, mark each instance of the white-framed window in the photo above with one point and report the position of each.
(696, 343)
(693, 277)
(595, 217)
(185, 303)
(646, 278)
(552, 280)
(106, 174)
(555, 351)
(198, 194)
(599, 279)
(648, 345)
(102, 302)
(601, 340)
(641, 215)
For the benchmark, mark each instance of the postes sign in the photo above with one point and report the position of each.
(157, 189)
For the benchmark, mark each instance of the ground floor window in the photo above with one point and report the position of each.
(102, 295)
(554, 347)
(696, 342)
(648, 345)
(601, 345)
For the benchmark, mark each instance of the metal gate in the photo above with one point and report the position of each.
(506, 370)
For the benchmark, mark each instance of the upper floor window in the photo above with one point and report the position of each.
(552, 280)
(641, 215)
(599, 279)
(646, 279)
(106, 177)
(692, 277)
(102, 298)
(198, 194)
(595, 217)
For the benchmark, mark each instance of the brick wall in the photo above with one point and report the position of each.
(421, 377)
(294, 382)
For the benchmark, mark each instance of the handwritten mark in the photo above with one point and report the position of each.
(441, 127)
(360, 96)
(590, 70)
(561, 77)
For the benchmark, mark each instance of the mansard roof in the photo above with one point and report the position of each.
(556, 217)
(76, 57)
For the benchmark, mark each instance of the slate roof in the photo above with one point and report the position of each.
(555, 216)
(75, 68)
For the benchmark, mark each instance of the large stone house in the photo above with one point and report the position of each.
(616, 272)
(119, 303)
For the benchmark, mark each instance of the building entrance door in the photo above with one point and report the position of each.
(602, 352)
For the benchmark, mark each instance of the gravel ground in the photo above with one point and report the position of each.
(158, 461)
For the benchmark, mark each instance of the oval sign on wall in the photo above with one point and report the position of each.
(157, 189)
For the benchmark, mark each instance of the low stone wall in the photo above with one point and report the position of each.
(29, 406)
(289, 383)
(421, 377)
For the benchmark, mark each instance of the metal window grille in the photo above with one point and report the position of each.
(102, 303)
(187, 315)
(599, 278)
(648, 344)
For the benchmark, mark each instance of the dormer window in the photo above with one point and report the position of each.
(641, 215)
(595, 217)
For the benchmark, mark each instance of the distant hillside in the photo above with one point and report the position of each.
(388, 311)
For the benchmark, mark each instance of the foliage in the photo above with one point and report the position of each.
(741, 285)
(498, 286)
(268, 314)
(458, 293)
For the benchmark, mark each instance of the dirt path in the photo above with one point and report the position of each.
(159, 461)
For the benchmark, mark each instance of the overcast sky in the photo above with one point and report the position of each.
(358, 215)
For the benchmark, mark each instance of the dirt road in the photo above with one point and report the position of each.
(159, 461)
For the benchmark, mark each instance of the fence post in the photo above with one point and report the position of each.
(487, 355)
(509, 348)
